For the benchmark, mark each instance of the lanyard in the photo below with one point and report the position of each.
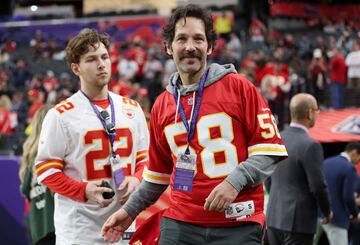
(102, 120)
(190, 129)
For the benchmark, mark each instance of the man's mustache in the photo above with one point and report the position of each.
(190, 55)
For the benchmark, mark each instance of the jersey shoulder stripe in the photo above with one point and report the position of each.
(267, 149)
(155, 177)
(48, 164)
(141, 155)
(48, 167)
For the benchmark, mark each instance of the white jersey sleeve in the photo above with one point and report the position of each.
(143, 139)
(52, 146)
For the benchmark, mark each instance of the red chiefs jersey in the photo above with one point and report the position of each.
(234, 123)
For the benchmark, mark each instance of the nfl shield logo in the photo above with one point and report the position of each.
(349, 125)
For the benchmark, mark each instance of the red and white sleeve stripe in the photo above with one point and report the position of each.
(141, 160)
(50, 173)
(47, 168)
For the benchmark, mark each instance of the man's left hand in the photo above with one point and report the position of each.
(220, 197)
(127, 187)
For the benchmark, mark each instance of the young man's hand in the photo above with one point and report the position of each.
(127, 187)
(94, 193)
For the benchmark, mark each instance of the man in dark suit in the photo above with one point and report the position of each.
(340, 174)
(298, 187)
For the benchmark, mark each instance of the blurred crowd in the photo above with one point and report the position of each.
(324, 62)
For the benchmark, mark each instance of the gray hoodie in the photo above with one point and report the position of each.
(216, 72)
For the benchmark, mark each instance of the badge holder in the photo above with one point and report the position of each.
(186, 163)
(185, 171)
(117, 170)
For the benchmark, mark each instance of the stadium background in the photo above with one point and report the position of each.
(266, 39)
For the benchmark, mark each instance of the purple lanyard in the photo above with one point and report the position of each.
(191, 129)
(97, 112)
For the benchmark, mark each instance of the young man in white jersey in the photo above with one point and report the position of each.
(92, 138)
(212, 138)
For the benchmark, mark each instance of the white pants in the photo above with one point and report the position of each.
(335, 234)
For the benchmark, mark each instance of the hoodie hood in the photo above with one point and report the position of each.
(216, 72)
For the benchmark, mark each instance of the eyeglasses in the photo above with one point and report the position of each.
(315, 109)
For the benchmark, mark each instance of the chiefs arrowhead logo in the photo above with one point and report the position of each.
(129, 112)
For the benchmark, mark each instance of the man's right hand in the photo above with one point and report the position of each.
(94, 191)
(327, 219)
(116, 225)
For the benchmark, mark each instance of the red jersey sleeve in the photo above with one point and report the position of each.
(262, 132)
(66, 186)
(158, 169)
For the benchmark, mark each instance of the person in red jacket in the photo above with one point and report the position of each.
(337, 79)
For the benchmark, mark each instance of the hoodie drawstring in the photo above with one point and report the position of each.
(193, 106)
(178, 104)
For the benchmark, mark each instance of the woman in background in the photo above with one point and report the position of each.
(40, 220)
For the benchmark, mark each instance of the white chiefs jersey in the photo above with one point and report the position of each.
(74, 141)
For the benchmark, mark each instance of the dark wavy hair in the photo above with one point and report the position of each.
(353, 146)
(81, 43)
(190, 10)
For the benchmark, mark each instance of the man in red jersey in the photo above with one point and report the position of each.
(213, 139)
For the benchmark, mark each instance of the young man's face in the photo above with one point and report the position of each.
(189, 47)
(94, 68)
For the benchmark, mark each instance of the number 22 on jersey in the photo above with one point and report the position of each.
(122, 134)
